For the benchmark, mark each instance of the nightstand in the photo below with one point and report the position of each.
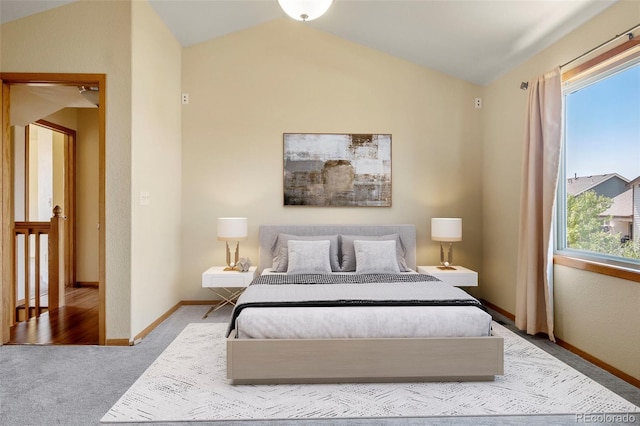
(227, 285)
(459, 277)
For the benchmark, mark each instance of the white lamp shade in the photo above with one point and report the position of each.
(305, 10)
(446, 229)
(232, 228)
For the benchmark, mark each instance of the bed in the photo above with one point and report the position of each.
(385, 326)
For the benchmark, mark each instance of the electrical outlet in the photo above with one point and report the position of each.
(478, 103)
(185, 98)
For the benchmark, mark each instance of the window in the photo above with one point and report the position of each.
(598, 209)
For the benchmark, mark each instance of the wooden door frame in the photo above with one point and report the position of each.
(6, 218)
(6, 190)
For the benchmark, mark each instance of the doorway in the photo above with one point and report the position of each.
(45, 177)
(83, 295)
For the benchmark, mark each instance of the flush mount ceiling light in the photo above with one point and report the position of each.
(305, 10)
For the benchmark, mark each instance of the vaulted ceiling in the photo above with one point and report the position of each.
(474, 40)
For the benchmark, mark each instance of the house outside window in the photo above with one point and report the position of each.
(598, 208)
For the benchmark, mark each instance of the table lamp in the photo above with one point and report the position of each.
(232, 229)
(446, 229)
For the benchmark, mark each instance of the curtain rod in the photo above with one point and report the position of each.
(629, 33)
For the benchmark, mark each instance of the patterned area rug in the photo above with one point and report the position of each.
(188, 382)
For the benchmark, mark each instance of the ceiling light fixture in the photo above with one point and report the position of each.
(305, 10)
(90, 93)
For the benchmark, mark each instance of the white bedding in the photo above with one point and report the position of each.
(362, 321)
(269, 271)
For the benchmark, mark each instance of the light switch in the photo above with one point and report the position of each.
(145, 198)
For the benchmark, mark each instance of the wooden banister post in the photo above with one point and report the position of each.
(56, 260)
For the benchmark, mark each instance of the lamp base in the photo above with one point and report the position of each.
(447, 268)
(232, 266)
(446, 264)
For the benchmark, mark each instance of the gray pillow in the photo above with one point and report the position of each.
(376, 257)
(349, 254)
(309, 257)
(280, 253)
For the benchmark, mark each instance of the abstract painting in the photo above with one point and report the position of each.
(325, 169)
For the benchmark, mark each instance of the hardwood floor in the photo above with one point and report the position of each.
(74, 324)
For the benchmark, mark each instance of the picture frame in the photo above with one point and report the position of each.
(337, 169)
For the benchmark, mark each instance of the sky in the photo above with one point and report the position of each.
(603, 127)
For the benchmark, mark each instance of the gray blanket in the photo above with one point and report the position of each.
(345, 290)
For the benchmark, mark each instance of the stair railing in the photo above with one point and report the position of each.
(54, 230)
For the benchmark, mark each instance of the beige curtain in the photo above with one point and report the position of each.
(543, 135)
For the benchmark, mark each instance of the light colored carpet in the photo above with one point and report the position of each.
(188, 382)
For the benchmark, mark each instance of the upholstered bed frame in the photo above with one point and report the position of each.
(359, 360)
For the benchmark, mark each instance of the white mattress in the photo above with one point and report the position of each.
(361, 321)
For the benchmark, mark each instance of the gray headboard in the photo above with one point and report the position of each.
(269, 233)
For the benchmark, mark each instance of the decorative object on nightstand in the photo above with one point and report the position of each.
(244, 264)
(446, 229)
(305, 10)
(232, 229)
(458, 277)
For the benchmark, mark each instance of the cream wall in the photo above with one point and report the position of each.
(155, 168)
(87, 203)
(58, 140)
(600, 315)
(582, 298)
(62, 40)
(248, 88)
(17, 137)
(46, 172)
(66, 117)
(85, 122)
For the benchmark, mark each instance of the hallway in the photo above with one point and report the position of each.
(74, 324)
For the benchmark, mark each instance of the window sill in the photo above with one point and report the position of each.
(597, 267)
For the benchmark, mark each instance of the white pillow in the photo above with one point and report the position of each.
(281, 254)
(349, 256)
(309, 257)
(376, 257)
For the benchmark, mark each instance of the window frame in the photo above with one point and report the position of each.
(621, 57)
